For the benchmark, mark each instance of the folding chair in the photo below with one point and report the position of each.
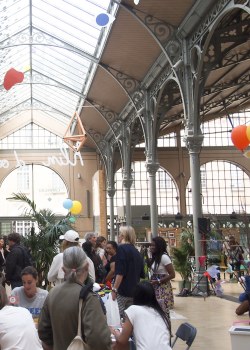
(187, 333)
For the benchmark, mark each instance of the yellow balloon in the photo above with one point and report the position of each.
(76, 208)
(248, 132)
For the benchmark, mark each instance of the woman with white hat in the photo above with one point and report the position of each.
(56, 273)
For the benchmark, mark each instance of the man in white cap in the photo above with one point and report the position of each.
(56, 273)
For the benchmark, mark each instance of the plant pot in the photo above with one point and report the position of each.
(184, 284)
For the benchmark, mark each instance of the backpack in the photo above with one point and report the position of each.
(27, 258)
(84, 292)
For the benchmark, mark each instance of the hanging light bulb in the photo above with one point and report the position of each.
(136, 2)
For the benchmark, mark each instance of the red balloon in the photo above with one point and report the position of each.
(12, 77)
(239, 137)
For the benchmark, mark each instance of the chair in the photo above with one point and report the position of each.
(187, 333)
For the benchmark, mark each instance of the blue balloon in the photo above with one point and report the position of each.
(102, 19)
(68, 203)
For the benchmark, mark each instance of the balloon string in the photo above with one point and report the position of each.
(228, 116)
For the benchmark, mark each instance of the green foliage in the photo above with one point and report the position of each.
(44, 244)
(181, 255)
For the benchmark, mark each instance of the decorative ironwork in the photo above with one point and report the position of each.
(193, 142)
(109, 115)
(166, 74)
(127, 183)
(161, 30)
(129, 84)
(152, 168)
(40, 38)
(207, 21)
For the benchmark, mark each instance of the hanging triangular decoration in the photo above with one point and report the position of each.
(76, 140)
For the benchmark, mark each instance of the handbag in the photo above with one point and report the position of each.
(78, 343)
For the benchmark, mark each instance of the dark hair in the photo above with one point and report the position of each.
(99, 241)
(160, 249)
(114, 244)
(29, 270)
(14, 237)
(144, 295)
(88, 248)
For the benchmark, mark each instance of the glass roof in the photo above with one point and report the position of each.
(56, 44)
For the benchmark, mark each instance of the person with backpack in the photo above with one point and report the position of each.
(162, 272)
(58, 322)
(17, 259)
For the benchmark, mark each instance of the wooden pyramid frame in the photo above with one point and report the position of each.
(77, 140)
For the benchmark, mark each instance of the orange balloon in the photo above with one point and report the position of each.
(239, 137)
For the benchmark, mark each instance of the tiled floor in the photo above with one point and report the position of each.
(212, 317)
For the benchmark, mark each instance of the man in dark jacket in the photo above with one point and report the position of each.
(15, 261)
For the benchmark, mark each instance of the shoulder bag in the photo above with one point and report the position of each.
(78, 343)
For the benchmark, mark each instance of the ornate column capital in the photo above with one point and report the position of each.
(194, 143)
(127, 183)
(152, 168)
(111, 192)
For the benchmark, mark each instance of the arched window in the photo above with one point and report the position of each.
(166, 191)
(225, 188)
(47, 194)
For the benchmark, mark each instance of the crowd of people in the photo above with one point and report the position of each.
(51, 317)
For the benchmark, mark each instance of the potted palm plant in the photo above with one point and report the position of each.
(42, 245)
(182, 265)
(182, 259)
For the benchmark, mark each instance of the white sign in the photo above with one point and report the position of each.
(62, 160)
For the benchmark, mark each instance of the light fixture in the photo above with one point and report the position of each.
(136, 2)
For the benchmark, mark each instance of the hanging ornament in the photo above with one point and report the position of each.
(76, 208)
(11, 78)
(239, 137)
(67, 203)
(103, 19)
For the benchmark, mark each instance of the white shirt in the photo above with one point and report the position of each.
(56, 273)
(165, 260)
(149, 329)
(2, 252)
(17, 330)
(100, 251)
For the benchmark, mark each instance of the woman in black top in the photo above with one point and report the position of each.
(100, 271)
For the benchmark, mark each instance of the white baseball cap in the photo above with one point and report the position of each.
(70, 236)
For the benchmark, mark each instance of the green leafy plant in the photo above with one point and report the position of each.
(181, 256)
(43, 245)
